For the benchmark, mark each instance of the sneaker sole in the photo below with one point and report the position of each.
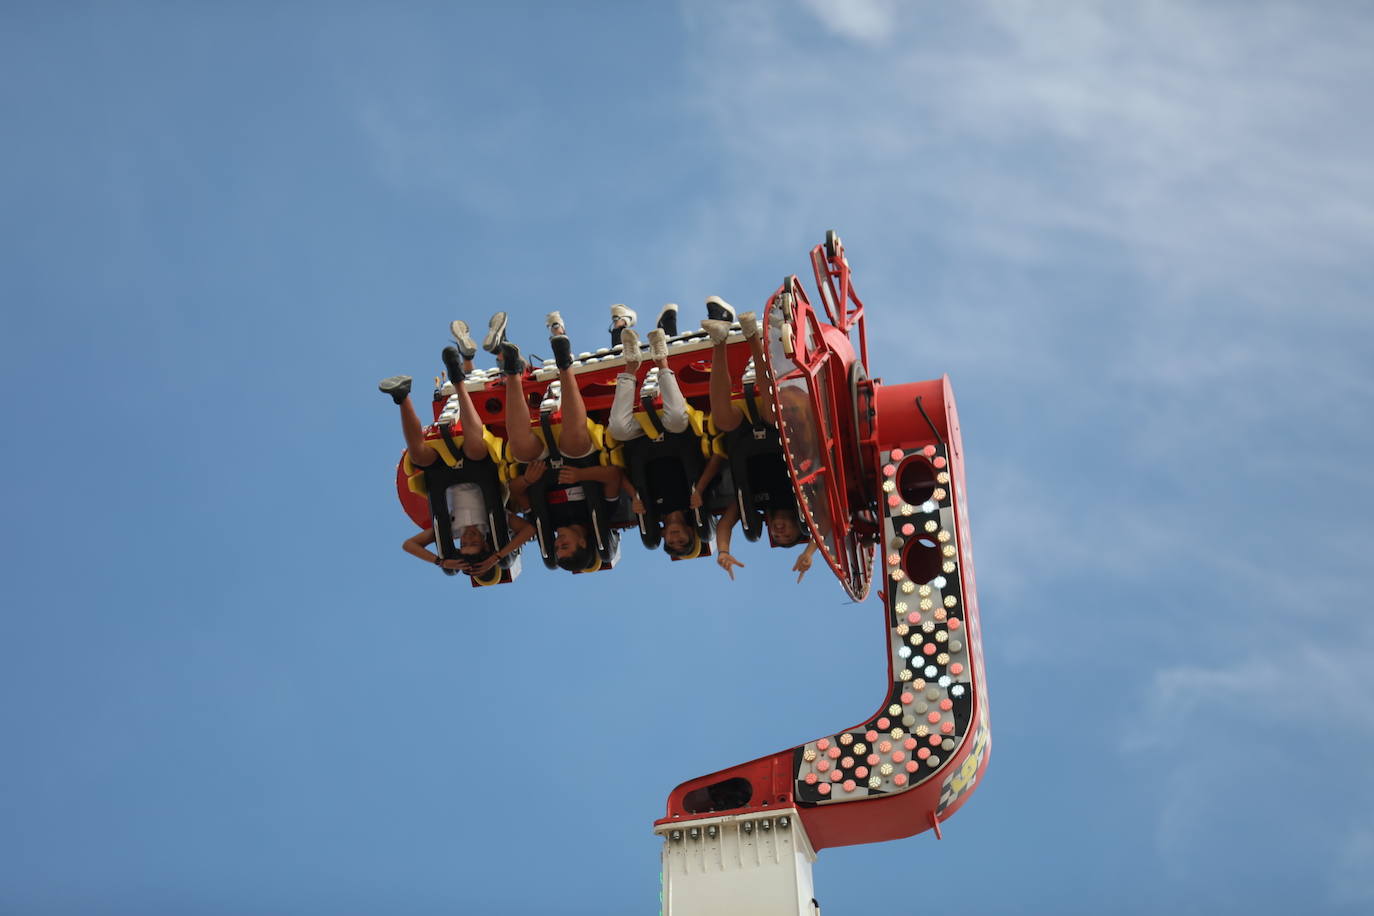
(463, 335)
(496, 333)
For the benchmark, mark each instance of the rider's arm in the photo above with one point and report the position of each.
(725, 526)
(519, 495)
(608, 475)
(519, 487)
(804, 561)
(415, 546)
(709, 473)
(724, 559)
(523, 532)
(636, 505)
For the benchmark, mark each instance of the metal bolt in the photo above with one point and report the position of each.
(677, 835)
(766, 825)
(711, 831)
(748, 826)
(784, 821)
(695, 833)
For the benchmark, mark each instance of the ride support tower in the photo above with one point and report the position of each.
(879, 473)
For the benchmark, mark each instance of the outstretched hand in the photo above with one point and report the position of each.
(728, 563)
(802, 565)
(456, 565)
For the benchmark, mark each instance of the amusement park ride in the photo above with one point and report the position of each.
(877, 470)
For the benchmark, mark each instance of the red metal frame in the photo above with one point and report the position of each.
(892, 427)
(852, 470)
(841, 464)
(941, 791)
(690, 361)
(842, 304)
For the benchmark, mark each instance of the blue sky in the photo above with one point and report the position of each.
(1138, 236)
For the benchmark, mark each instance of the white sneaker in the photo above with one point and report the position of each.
(658, 343)
(629, 343)
(554, 322)
(717, 309)
(467, 348)
(622, 316)
(749, 324)
(718, 331)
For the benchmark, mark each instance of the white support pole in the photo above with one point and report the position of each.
(738, 865)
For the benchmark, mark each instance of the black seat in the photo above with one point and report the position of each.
(455, 468)
(604, 536)
(683, 449)
(745, 445)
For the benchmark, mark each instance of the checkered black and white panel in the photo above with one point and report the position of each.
(927, 713)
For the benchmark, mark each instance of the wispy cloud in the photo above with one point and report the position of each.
(1214, 140)
(1153, 223)
(1158, 208)
(861, 20)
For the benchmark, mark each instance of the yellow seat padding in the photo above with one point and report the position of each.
(496, 450)
(603, 443)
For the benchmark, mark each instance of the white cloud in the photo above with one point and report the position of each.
(860, 20)
(1259, 691)
(1154, 212)
(1221, 736)
(1214, 152)
(1161, 211)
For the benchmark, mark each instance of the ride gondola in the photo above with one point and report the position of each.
(877, 473)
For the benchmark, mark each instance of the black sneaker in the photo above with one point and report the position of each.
(667, 319)
(398, 386)
(453, 362)
(717, 309)
(511, 363)
(496, 334)
(562, 351)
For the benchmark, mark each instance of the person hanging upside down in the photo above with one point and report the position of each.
(466, 503)
(565, 499)
(673, 495)
(768, 475)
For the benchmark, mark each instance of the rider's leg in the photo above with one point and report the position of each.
(422, 455)
(725, 414)
(675, 418)
(474, 445)
(573, 438)
(474, 432)
(525, 446)
(623, 425)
